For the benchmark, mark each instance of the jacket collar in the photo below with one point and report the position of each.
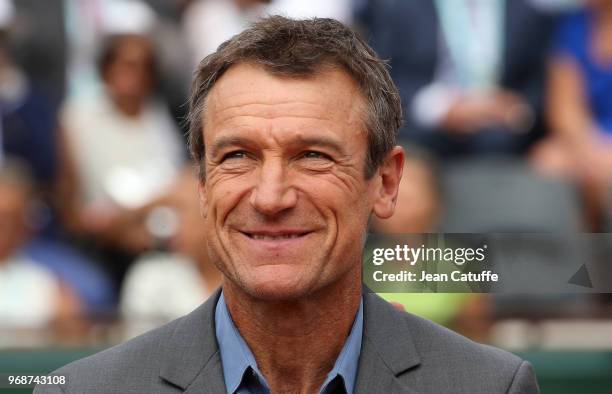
(192, 356)
(388, 350)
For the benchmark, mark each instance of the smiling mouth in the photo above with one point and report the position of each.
(274, 237)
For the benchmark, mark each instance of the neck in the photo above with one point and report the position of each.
(296, 342)
(128, 106)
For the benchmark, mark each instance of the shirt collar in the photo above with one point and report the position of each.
(237, 359)
(348, 359)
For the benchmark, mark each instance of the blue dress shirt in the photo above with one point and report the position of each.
(240, 371)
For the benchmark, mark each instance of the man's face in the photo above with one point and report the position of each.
(285, 197)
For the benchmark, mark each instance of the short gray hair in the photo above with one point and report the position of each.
(300, 48)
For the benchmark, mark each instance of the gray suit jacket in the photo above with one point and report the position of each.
(401, 353)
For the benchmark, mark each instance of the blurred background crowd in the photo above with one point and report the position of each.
(508, 128)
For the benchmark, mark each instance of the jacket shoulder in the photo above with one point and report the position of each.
(433, 359)
(455, 362)
(128, 366)
(430, 336)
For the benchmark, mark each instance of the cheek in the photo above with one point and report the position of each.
(342, 201)
(223, 194)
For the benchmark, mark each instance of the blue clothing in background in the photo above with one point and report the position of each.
(90, 284)
(574, 39)
(28, 133)
(409, 34)
(242, 375)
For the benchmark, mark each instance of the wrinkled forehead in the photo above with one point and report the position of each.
(329, 93)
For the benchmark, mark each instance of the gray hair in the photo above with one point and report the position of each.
(301, 48)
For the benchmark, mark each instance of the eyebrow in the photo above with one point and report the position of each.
(329, 143)
(224, 142)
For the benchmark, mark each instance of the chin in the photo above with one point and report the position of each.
(278, 284)
(278, 293)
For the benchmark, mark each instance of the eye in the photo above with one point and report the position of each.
(239, 154)
(311, 154)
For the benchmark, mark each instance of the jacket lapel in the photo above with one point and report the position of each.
(387, 351)
(192, 360)
(210, 380)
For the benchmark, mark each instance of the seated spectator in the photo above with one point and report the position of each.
(28, 132)
(580, 106)
(470, 72)
(30, 296)
(164, 285)
(27, 121)
(125, 151)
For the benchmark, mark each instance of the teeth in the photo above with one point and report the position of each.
(274, 237)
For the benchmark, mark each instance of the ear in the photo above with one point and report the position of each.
(389, 174)
(202, 198)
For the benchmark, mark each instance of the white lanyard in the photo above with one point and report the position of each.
(474, 42)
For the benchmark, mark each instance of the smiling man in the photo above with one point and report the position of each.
(292, 125)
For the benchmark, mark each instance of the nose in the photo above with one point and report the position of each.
(273, 193)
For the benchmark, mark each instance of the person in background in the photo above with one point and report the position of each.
(470, 72)
(28, 132)
(125, 152)
(31, 297)
(418, 211)
(88, 23)
(579, 106)
(164, 285)
(27, 121)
